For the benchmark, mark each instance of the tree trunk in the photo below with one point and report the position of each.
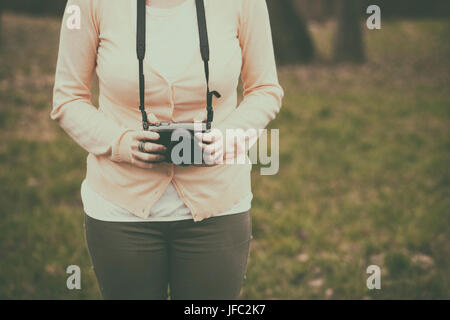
(291, 38)
(348, 41)
(1, 23)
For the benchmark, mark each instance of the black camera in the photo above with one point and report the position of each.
(180, 140)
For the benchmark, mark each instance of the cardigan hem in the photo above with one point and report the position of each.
(110, 192)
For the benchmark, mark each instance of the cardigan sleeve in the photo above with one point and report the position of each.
(72, 106)
(262, 91)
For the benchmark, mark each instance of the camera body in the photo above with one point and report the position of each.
(179, 138)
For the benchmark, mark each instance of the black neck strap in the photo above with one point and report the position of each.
(204, 50)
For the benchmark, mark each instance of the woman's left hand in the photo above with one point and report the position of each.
(212, 145)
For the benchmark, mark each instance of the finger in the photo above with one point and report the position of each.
(154, 148)
(205, 137)
(146, 135)
(140, 164)
(217, 158)
(211, 145)
(211, 136)
(214, 159)
(212, 148)
(149, 157)
(149, 147)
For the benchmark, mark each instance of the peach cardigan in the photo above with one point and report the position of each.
(240, 43)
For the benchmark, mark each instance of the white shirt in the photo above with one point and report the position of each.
(162, 55)
(169, 207)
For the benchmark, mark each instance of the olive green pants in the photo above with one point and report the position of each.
(196, 260)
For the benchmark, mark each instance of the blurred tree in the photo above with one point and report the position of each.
(291, 38)
(316, 10)
(348, 41)
(45, 7)
(1, 19)
(411, 8)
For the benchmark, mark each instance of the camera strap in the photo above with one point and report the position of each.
(204, 50)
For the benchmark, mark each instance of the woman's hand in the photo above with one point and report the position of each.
(212, 144)
(154, 153)
(218, 148)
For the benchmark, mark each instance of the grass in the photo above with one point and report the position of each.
(364, 173)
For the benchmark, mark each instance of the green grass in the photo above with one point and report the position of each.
(364, 173)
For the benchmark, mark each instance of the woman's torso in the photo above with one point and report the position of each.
(169, 31)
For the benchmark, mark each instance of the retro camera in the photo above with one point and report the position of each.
(181, 143)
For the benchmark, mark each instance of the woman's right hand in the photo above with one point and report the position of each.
(129, 149)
